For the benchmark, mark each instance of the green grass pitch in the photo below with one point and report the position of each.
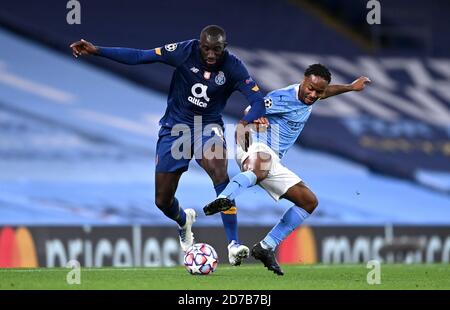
(251, 277)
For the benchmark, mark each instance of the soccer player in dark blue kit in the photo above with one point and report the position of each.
(205, 76)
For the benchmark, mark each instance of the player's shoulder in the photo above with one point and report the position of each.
(232, 58)
(233, 63)
(288, 92)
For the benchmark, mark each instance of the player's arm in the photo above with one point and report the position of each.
(254, 114)
(129, 56)
(132, 56)
(255, 99)
(356, 85)
(248, 87)
(242, 134)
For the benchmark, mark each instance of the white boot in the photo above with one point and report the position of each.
(185, 233)
(237, 253)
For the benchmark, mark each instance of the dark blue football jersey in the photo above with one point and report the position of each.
(195, 91)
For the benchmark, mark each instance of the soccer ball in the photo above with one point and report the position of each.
(200, 259)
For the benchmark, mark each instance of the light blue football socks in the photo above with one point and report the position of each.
(291, 219)
(237, 184)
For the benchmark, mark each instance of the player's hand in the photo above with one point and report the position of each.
(360, 83)
(243, 136)
(83, 48)
(262, 124)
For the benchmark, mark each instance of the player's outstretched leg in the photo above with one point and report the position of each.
(224, 200)
(267, 257)
(302, 196)
(255, 170)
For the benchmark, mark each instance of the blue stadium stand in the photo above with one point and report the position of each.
(77, 147)
(277, 40)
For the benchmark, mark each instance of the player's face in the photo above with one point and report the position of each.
(312, 88)
(212, 48)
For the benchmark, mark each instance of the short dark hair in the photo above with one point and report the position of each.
(214, 30)
(319, 70)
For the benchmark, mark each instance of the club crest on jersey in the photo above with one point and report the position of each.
(220, 78)
(268, 102)
(171, 47)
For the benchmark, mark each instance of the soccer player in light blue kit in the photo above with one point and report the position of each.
(287, 111)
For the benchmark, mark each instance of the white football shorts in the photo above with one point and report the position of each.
(280, 178)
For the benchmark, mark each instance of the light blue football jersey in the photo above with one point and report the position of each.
(287, 116)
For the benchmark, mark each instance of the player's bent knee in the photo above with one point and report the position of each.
(260, 174)
(311, 203)
(259, 163)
